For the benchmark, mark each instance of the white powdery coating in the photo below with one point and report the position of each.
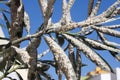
(88, 52)
(27, 22)
(25, 57)
(62, 59)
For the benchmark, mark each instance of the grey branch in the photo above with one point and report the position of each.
(111, 9)
(43, 6)
(107, 31)
(91, 54)
(98, 44)
(90, 6)
(61, 58)
(27, 22)
(105, 41)
(95, 9)
(24, 55)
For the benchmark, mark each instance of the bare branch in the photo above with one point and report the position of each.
(71, 55)
(111, 9)
(96, 8)
(61, 58)
(24, 55)
(105, 41)
(92, 21)
(64, 5)
(27, 22)
(32, 50)
(107, 31)
(43, 5)
(49, 11)
(106, 20)
(68, 7)
(33, 44)
(78, 64)
(92, 55)
(69, 65)
(92, 14)
(47, 8)
(98, 44)
(28, 37)
(116, 12)
(66, 17)
(90, 6)
(17, 16)
(112, 26)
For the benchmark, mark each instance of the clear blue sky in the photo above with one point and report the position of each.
(79, 13)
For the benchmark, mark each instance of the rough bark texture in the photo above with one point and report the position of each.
(62, 59)
(16, 29)
(91, 54)
(14, 57)
(32, 50)
(17, 20)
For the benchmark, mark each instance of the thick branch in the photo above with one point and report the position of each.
(66, 17)
(32, 50)
(62, 59)
(17, 15)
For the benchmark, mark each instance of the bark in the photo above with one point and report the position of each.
(32, 50)
(100, 45)
(71, 55)
(17, 20)
(78, 64)
(91, 54)
(62, 59)
(96, 8)
(69, 65)
(16, 29)
(90, 6)
(107, 31)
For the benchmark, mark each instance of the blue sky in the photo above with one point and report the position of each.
(79, 13)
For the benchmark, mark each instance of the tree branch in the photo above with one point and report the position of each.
(107, 31)
(71, 55)
(43, 5)
(61, 58)
(93, 56)
(111, 9)
(96, 8)
(90, 6)
(66, 17)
